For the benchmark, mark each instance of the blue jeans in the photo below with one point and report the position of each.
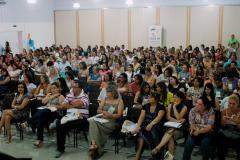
(203, 141)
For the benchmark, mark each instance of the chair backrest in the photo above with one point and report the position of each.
(12, 85)
(93, 108)
(127, 101)
(7, 101)
(37, 80)
(94, 90)
(83, 80)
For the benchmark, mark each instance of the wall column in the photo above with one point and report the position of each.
(77, 28)
(129, 29)
(158, 16)
(220, 27)
(188, 26)
(102, 27)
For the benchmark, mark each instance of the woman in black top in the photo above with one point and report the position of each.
(150, 124)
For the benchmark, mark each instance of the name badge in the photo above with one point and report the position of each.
(218, 94)
(111, 109)
(230, 86)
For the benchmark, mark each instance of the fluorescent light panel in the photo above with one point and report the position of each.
(32, 1)
(76, 5)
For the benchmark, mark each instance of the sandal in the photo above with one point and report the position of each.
(9, 140)
(155, 151)
(93, 147)
(38, 144)
(24, 125)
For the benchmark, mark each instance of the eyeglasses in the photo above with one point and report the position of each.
(20, 86)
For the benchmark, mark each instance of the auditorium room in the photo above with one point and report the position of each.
(120, 79)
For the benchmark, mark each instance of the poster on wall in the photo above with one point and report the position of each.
(155, 35)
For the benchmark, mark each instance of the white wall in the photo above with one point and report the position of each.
(36, 19)
(173, 20)
(115, 27)
(90, 27)
(142, 18)
(65, 29)
(231, 22)
(204, 26)
(87, 4)
(41, 32)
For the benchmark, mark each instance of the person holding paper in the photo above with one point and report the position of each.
(201, 119)
(46, 114)
(150, 124)
(176, 112)
(111, 109)
(76, 103)
(230, 134)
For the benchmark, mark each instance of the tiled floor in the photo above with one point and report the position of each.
(25, 148)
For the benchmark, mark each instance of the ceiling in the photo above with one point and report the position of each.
(86, 4)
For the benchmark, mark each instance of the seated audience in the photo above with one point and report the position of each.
(46, 114)
(76, 103)
(122, 84)
(201, 120)
(229, 135)
(150, 125)
(19, 111)
(95, 76)
(135, 86)
(176, 112)
(112, 109)
(165, 97)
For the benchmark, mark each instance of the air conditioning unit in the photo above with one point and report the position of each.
(2, 2)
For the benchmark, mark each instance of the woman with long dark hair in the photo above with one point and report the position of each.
(165, 96)
(19, 111)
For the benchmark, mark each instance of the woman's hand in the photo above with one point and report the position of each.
(107, 115)
(136, 130)
(181, 121)
(195, 133)
(149, 127)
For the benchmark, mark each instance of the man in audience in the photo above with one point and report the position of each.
(233, 40)
(76, 103)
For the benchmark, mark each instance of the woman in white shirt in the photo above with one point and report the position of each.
(130, 73)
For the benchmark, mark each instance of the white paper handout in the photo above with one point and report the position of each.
(128, 126)
(70, 117)
(98, 118)
(51, 108)
(173, 124)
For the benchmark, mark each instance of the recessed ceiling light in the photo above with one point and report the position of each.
(32, 1)
(105, 8)
(211, 5)
(129, 2)
(76, 5)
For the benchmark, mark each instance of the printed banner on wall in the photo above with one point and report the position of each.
(155, 35)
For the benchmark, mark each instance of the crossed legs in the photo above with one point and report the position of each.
(7, 116)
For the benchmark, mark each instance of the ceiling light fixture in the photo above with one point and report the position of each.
(129, 2)
(211, 5)
(76, 5)
(32, 1)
